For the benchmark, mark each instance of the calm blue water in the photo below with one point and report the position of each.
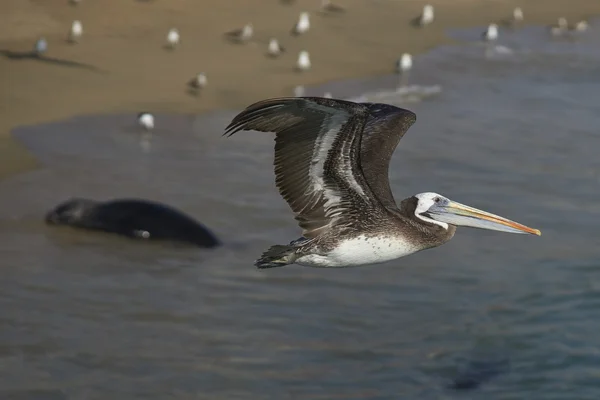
(89, 316)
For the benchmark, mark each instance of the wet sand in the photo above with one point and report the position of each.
(123, 41)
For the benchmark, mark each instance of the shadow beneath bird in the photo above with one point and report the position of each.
(32, 55)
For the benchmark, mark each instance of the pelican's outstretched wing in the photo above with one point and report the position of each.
(317, 157)
(382, 133)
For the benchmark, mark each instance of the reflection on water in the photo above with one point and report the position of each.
(94, 316)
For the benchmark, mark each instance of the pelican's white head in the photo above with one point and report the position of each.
(303, 63)
(439, 210)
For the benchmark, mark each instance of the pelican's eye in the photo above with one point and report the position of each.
(437, 199)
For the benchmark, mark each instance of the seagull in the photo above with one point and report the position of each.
(303, 24)
(580, 26)
(75, 32)
(560, 27)
(299, 91)
(491, 33)
(331, 167)
(274, 49)
(518, 15)
(41, 46)
(403, 66)
(172, 38)
(426, 17)
(303, 63)
(198, 82)
(328, 7)
(241, 35)
(146, 121)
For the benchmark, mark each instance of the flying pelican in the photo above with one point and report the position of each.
(146, 121)
(172, 38)
(491, 33)
(426, 16)
(303, 62)
(241, 35)
(303, 24)
(331, 165)
(274, 49)
(75, 32)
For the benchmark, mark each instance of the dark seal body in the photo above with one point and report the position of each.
(139, 219)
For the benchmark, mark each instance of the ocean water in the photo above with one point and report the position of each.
(486, 316)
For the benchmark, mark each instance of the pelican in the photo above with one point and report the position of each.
(41, 46)
(560, 27)
(491, 33)
(303, 62)
(75, 32)
(146, 121)
(328, 7)
(172, 38)
(426, 16)
(241, 35)
(198, 82)
(331, 166)
(274, 49)
(303, 24)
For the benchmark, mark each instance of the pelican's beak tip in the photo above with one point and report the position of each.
(537, 232)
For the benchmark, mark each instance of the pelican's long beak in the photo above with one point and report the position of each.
(461, 215)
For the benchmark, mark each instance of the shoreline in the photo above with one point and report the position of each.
(364, 42)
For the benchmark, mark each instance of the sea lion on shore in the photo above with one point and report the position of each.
(134, 218)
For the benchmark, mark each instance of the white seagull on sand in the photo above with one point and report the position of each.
(426, 17)
(41, 46)
(303, 63)
(198, 82)
(75, 32)
(173, 38)
(241, 35)
(303, 24)
(274, 49)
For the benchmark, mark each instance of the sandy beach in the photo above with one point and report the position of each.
(123, 41)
